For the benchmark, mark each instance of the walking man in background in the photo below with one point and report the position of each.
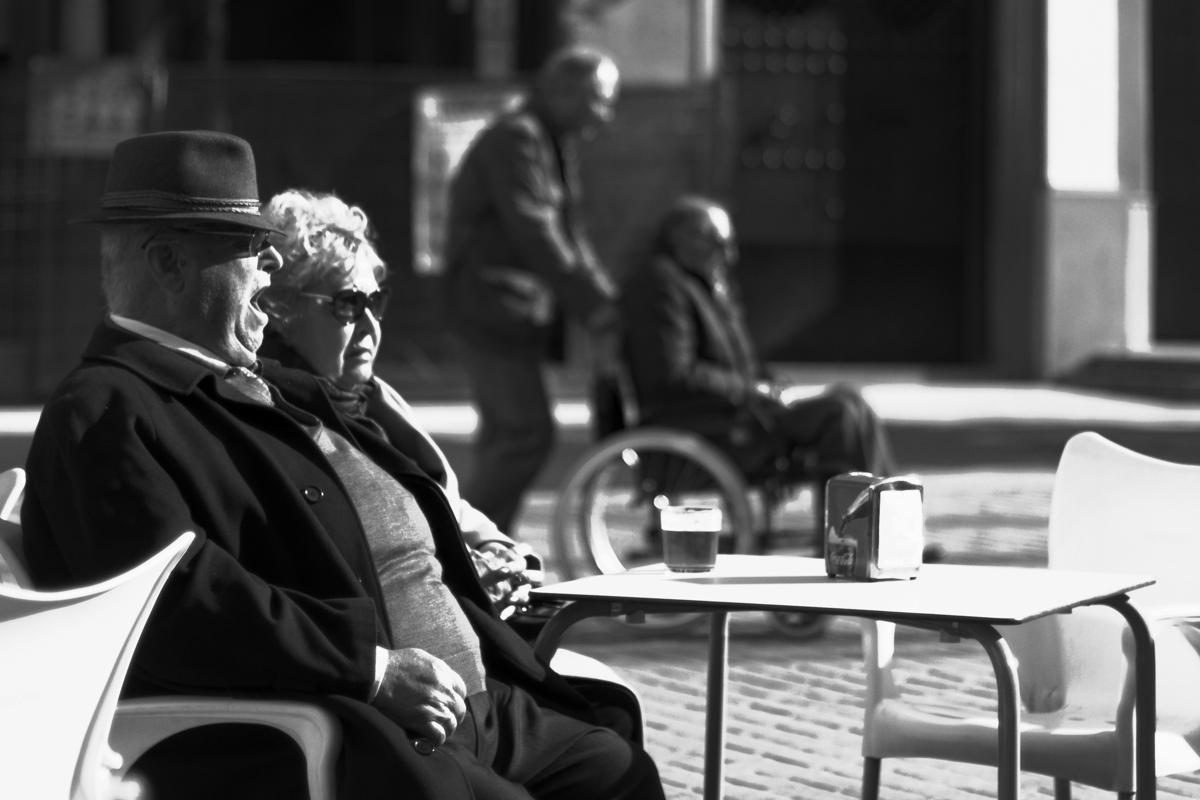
(517, 258)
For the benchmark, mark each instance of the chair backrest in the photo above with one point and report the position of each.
(63, 659)
(1114, 510)
(12, 549)
(12, 485)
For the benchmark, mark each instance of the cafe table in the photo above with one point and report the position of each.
(955, 600)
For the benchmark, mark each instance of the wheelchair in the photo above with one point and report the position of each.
(605, 520)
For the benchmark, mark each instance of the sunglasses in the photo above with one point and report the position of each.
(257, 242)
(348, 305)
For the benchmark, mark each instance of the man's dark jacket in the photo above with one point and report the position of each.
(515, 204)
(278, 596)
(689, 354)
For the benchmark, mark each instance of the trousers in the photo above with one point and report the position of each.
(512, 749)
(837, 426)
(516, 428)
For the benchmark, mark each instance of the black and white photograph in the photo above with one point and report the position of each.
(599, 399)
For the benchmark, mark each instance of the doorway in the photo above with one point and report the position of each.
(857, 177)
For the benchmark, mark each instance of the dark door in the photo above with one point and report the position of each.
(1175, 125)
(857, 190)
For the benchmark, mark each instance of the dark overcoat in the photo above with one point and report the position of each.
(278, 595)
(689, 355)
(515, 204)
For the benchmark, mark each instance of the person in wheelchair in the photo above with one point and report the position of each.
(693, 365)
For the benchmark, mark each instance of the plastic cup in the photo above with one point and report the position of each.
(689, 536)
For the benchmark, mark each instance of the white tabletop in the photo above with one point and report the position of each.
(944, 592)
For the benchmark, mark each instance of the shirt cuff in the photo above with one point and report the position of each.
(381, 662)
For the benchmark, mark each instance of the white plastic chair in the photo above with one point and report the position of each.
(12, 485)
(12, 555)
(63, 658)
(142, 723)
(1112, 510)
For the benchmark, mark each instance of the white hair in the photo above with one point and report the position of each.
(322, 235)
(578, 63)
(123, 278)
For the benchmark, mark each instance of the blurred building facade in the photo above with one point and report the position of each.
(909, 184)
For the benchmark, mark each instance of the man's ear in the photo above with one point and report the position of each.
(168, 264)
(675, 240)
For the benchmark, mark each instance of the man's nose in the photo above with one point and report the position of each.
(269, 260)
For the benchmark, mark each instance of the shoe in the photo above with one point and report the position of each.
(933, 553)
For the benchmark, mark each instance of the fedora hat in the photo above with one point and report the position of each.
(197, 176)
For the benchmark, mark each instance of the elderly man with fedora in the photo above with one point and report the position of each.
(311, 530)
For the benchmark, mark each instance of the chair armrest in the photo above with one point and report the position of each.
(12, 570)
(1176, 632)
(547, 641)
(570, 664)
(140, 724)
(581, 670)
(1180, 612)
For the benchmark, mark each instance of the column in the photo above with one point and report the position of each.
(496, 39)
(1098, 205)
(82, 29)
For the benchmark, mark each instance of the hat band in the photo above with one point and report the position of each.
(151, 200)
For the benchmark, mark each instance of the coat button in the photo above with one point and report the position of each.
(423, 746)
(312, 494)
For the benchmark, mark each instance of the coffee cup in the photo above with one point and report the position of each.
(689, 536)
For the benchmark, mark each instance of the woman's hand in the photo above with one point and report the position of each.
(502, 570)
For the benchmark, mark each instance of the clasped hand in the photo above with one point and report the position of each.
(765, 390)
(422, 694)
(503, 573)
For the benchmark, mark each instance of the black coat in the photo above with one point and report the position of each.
(515, 204)
(278, 595)
(689, 354)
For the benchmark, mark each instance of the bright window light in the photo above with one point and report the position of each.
(1081, 95)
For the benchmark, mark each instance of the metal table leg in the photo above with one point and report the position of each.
(547, 641)
(714, 718)
(1008, 779)
(1145, 702)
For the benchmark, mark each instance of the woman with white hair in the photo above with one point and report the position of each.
(325, 304)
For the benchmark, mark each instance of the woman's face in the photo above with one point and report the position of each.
(343, 353)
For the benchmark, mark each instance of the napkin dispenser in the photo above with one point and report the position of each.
(874, 527)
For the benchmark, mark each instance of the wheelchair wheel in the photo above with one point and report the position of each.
(606, 517)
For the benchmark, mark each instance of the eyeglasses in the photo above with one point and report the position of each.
(348, 305)
(257, 241)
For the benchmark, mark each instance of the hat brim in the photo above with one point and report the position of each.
(253, 221)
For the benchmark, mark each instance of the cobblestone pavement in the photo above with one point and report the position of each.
(795, 707)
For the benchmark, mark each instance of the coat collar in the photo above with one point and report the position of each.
(178, 374)
(151, 361)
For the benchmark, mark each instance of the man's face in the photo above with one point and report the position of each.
(218, 307)
(704, 244)
(587, 105)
